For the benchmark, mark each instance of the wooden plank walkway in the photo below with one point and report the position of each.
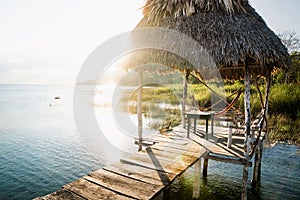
(141, 175)
(144, 174)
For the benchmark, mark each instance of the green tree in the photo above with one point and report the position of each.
(292, 42)
(294, 74)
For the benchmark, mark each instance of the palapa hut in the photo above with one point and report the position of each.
(236, 37)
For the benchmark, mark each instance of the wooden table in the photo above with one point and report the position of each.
(200, 115)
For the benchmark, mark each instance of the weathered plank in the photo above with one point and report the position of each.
(206, 144)
(140, 173)
(123, 185)
(89, 190)
(162, 166)
(171, 139)
(189, 147)
(223, 150)
(175, 150)
(173, 136)
(182, 159)
(165, 164)
(62, 194)
(158, 160)
(169, 153)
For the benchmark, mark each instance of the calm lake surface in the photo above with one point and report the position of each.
(41, 150)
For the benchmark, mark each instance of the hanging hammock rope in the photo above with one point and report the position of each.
(230, 105)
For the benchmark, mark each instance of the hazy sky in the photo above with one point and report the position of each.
(47, 41)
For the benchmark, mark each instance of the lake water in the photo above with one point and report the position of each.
(41, 150)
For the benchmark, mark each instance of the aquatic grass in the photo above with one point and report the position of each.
(283, 129)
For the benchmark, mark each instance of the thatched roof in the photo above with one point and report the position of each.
(230, 31)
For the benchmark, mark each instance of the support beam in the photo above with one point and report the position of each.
(244, 182)
(247, 109)
(229, 160)
(229, 140)
(205, 166)
(197, 172)
(260, 94)
(266, 104)
(139, 110)
(257, 164)
(247, 129)
(261, 148)
(184, 97)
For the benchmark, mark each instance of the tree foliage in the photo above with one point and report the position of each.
(291, 41)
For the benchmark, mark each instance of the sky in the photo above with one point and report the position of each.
(47, 41)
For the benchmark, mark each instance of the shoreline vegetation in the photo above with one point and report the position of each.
(284, 106)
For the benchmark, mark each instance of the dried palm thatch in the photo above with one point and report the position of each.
(230, 31)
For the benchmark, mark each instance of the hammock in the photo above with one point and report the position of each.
(230, 105)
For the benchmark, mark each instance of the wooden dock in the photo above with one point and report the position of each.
(145, 174)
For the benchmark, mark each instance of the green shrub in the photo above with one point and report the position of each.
(285, 99)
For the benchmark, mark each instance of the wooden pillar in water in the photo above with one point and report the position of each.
(139, 109)
(247, 130)
(205, 166)
(197, 171)
(259, 149)
(184, 97)
(257, 164)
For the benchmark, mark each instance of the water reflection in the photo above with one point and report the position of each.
(120, 102)
(280, 178)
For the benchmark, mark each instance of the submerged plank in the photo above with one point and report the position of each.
(91, 191)
(141, 173)
(124, 185)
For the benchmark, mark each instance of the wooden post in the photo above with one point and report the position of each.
(266, 106)
(205, 166)
(247, 109)
(261, 148)
(229, 140)
(257, 165)
(184, 97)
(247, 129)
(252, 136)
(244, 182)
(197, 171)
(139, 109)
